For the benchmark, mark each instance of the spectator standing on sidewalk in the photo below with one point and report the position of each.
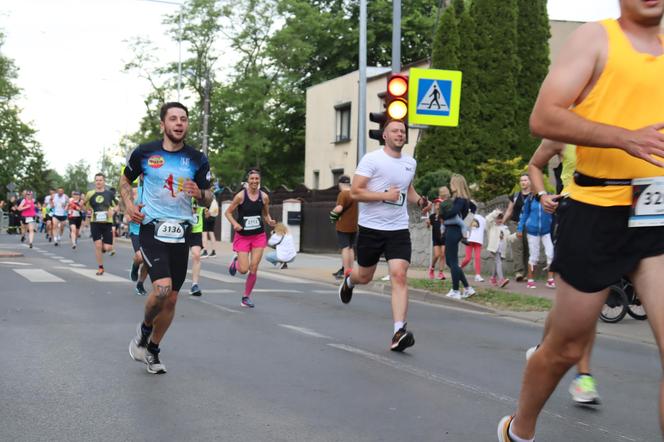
(474, 246)
(536, 222)
(434, 222)
(511, 216)
(209, 237)
(344, 215)
(499, 236)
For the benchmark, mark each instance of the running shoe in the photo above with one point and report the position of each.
(232, 268)
(468, 292)
(138, 345)
(30, 245)
(55, 243)
(478, 278)
(112, 252)
(140, 290)
(345, 292)
(431, 274)
(454, 294)
(246, 302)
(100, 271)
(339, 273)
(133, 273)
(204, 254)
(493, 280)
(530, 351)
(531, 284)
(402, 339)
(23, 238)
(550, 283)
(213, 254)
(154, 365)
(73, 246)
(283, 265)
(195, 291)
(503, 429)
(584, 390)
(503, 282)
(441, 276)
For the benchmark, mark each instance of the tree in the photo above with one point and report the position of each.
(533, 52)
(76, 177)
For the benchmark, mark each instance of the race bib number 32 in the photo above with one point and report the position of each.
(647, 202)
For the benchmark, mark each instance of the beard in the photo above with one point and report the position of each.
(174, 138)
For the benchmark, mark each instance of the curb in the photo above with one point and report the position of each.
(11, 255)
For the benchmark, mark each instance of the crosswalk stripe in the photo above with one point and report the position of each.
(13, 263)
(219, 277)
(38, 275)
(90, 273)
(282, 278)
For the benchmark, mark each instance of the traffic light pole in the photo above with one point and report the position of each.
(362, 108)
(396, 36)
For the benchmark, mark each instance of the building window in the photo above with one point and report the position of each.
(336, 174)
(342, 123)
(316, 179)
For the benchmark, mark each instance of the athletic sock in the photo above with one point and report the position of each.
(398, 326)
(145, 330)
(249, 285)
(347, 272)
(516, 438)
(349, 283)
(153, 348)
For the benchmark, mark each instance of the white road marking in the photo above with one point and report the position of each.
(282, 278)
(276, 291)
(206, 291)
(66, 261)
(77, 265)
(220, 307)
(38, 275)
(325, 292)
(304, 331)
(90, 273)
(219, 277)
(13, 263)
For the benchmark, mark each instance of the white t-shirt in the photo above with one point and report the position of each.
(285, 246)
(477, 233)
(384, 172)
(60, 204)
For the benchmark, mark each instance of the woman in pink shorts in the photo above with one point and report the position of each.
(250, 238)
(28, 212)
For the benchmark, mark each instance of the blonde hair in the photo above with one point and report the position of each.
(281, 229)
(444, 191)
(459, 187)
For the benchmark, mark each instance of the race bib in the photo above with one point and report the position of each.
(399, 202)
(647, 202)
(75, 213)
(195, 218)
(29, 219)
(252, 222)
(169, 231)
(101, 216)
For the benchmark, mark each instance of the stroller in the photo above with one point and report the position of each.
(622, 300)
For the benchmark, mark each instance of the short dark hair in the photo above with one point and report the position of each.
(344, 179)
(100, 174)
(252, 170)
(170, 105)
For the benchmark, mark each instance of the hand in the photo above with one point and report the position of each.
(393, 194)
(549, 202)
(191, 189)
(237, 227)
(645, 142)
(519, 235)
(134, 213)
(425, 204)
(271, 222)
(334, 216)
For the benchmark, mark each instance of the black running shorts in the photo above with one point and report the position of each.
(60, 217)
(135, 242)
(75, 221)
(345, 239)
(195, 239)
(595, 248)
(371, 244)
(102, 231)
(164, 260)
(209, 223)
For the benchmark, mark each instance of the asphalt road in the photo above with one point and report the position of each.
(299, 367)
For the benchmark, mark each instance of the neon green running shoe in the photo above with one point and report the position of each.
(584, 390)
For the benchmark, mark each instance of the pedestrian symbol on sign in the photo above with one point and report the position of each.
(433, 97)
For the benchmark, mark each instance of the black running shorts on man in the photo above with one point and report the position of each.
(595, 248)
(195, 239)
(371, 244)
(102, 232)
(164, 260)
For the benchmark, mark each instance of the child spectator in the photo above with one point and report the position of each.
(537, 223)
(499, 236)
(474, 246)
(438, 240)
(282, 241)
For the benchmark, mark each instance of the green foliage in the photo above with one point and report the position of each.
(429, 182)
(497, 177)
(76, 177)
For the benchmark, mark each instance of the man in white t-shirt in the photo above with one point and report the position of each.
(59, 203)
(383, 185)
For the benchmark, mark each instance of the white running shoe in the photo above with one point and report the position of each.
(530, 351)
(478, 278)
(454, 294)
(468, 292)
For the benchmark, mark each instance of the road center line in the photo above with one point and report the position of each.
(220, 307)
(304, 331)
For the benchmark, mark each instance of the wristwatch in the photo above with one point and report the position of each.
(539, 194)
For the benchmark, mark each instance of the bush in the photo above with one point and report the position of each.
(497, 177)
(428, 183)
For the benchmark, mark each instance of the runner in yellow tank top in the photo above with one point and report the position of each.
(604, 93)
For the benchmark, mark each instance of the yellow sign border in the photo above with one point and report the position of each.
(416, 74)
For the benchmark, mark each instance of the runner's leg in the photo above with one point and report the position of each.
(398, 279)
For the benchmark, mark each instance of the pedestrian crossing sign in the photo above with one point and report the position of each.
(434, 96)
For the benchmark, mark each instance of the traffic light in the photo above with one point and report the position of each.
(396, 101)
(377, 134)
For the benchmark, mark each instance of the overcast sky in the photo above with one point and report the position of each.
(70, 54)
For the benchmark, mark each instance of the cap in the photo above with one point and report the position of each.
(437, 200)
(345, 179)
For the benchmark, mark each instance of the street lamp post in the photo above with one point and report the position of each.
(181, 5)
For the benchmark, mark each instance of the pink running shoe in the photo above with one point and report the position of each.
(441, 276)
(503, 282)
(493, 280)
(531, 284)
(430, 272)
(550, 283)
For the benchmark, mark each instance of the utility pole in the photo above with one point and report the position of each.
(396, 36)
(362, 108)
(206, 112)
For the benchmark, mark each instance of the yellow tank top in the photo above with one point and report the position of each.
(630, 94)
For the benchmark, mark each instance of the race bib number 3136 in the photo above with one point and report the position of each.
(169, 231)
(647, 202)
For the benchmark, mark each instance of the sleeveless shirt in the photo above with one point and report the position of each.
(250, 215)
(629, 94)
